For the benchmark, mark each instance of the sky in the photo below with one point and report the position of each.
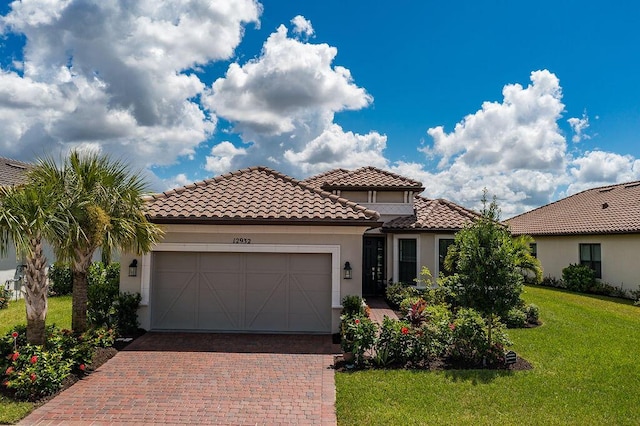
(533, 101)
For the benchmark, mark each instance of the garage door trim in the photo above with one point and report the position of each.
(334, 250)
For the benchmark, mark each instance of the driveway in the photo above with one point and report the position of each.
(194, 378)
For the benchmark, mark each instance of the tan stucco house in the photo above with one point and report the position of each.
(599, 227)
(258, 251)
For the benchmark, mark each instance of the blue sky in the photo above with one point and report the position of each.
(533, 101)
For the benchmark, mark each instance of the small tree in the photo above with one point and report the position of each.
(484, 259)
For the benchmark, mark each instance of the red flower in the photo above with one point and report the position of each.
(9, 371)
(357, 321)
(6, 383)
(34, 359)
(14, 334)
(33, 377)
(15, 356)
(405, 330)
(452, 326)
(82, 367)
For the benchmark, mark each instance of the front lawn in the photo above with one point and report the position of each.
(585, 363)
(60, 314)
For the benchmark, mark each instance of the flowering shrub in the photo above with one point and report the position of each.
(36, 371)
(358, 336)
(416, 313)
(406, 304)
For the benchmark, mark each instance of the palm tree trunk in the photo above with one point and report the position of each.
(36, 287)
(80, 267)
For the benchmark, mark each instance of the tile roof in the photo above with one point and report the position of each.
(433, 215)
(12, 172)
(613, 209)
(255, 195)
(364, 178)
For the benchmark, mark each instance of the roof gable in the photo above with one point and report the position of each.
(612, 209)
(433, 215)
(13, 172)
(364, 178)
(255, 194)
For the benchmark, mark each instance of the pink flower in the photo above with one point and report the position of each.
(14, 334)
(82, 367)
(15, 356)
(452, 326)
(357, 321)
(405, 330)
(9, 371)
(34, 359)
(33, 377)
(6, 383)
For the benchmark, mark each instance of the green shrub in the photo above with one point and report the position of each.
(126, 312)
(5, 296)
(358, 337)
(396, 292)
(554, 282)
(407, 303)
(578, 278)
(352, 306)
(60, 279)
(416, 315)
(470, 345)
(515, 318)
(533, 313)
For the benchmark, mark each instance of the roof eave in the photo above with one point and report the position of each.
(373, 223)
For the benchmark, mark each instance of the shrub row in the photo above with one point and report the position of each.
(581, 279)
(428, 333)
(32, 372)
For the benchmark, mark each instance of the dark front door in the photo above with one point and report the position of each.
(373, 266)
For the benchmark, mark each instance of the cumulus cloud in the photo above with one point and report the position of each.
(599, 168)
(222, 156)
(115, 73)
(514, 148)
(283, 103)
(579, 125)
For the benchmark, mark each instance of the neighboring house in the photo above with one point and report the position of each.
(12, 172)
(599, 227)
(258, 251)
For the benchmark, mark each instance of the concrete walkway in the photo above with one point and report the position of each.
(192, 378)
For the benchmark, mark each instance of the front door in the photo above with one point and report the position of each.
(373, 266)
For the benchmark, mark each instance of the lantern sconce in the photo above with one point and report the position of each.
(133, 268)
(347, 271)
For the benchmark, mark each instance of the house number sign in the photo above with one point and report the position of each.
(240, 240)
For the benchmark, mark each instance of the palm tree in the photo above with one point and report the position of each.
(525, 260)
(105, 202)
(29, 214)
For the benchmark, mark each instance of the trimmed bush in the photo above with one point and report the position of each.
(126, 312)
(396, 292)
(516, 318)
(533, 314)
(352, 306)
(578, 278)
(60, 279)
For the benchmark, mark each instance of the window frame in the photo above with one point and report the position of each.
(439, 238)
(595, 265)
(396, 255)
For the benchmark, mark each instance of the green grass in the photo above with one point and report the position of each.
(586, 371)
(59, 314)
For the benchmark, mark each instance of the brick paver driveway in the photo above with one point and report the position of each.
(192, 378)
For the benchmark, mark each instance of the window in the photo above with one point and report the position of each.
(533, 247)
(443, 248)
(407, 260)
(590, 256)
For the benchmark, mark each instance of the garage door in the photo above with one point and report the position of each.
(255, 292)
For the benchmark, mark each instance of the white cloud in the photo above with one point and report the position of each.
(514, 148)
(115, 74)
(302, 26)
(222, 156)
(284, 102)
(598, 168)
(579, 125)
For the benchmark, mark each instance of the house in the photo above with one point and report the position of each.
(599, 227)
(12, 172)
(258, 251)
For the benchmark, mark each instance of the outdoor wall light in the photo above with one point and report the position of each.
(133, 268)
(347, 271)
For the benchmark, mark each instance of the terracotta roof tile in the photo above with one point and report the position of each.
(255, 194)
(433, 215)
(364, 178)
(12, 172)
(612, 209)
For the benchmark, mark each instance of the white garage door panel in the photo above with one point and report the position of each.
(258, 292)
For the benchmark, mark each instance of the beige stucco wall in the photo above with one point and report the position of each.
(349, 238)
(355, 196)
(390, 196)
(620, 256)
